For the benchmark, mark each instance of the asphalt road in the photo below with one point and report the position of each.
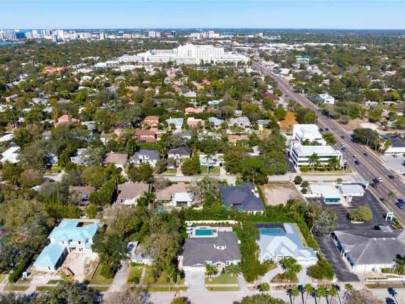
(370, 166)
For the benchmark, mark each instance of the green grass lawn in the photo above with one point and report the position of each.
(166, 289)
(222, 279)
(135, 274)
(16, 287)
(148, 279)
(98, 279)
(213, 170)
(169, 172)
(44, 288)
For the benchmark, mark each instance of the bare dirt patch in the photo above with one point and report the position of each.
(279, 193)
(289, 120)
(354, 124)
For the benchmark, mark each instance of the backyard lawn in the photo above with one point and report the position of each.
(213, 170)
(98, 279)
(222, 279)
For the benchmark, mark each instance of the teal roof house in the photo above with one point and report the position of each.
(70, 235)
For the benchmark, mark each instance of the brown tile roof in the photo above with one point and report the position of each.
(166, 193)
(131, 190)
(116, 158)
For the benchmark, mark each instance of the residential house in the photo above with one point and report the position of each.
(71, 235)
(191, 110)
(137, 254)
(190, 94)
(81, 194)
(215, 160)
(176, 122)
(129, 193)
(262, 123)
(194, 122)
(325, 98)
(277, 241)
(144, 156)
(219, 247)
(118, 159)
(216, 123)
(182, 199)
(66, 119)
(179, 154)
(10, 155)
(242, 122)
(150, 122)
(166, 194)
(214, 102)
(149, 136)
(243, 198)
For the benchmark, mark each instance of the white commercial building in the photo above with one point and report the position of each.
(301, 155)
(308, 132)
(192, 54)
(351, 190)
(328, 193)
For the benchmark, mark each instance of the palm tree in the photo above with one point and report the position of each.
(210, 270)
(314, 160)
(295, 292)
(309, 290)
(233, 269)
(333, 163)
(333, 292)
(207, 157)
(320, 292)
(400, 265)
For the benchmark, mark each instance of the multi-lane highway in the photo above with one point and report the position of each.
(370, 165)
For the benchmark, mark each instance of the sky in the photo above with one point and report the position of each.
(321, 14)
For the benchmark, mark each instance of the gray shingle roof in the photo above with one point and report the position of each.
(152, 154)
(197, 251)
(185, 151)
(376, 248)
(242, 197)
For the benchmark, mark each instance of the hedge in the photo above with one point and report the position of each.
(18, 271)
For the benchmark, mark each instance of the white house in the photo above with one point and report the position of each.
(180, 199)
(10, 155)
(277, 241)
(71, 235)
(326, 98)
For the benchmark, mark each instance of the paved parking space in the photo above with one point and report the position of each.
(330, 251)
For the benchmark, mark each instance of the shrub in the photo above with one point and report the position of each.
(298, 180)
(361, 214)
(305, 184)
(264, 286)
(322, 270)
(18, 271)
(107, 271)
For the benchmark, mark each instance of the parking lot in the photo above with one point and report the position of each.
(328, 247)
(344, 222)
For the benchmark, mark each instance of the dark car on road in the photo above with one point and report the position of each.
(401, 204)
(356, 162)
(365, 154)
(391, 176)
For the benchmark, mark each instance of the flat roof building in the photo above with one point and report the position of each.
(308, 132)
(301, 155)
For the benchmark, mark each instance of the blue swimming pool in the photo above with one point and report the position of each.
(204, 232)
(271, 230)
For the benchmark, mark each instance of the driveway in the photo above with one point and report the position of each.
(330, 251)
(120, 280)
(195, 280)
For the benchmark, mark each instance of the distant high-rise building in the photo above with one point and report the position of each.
(102, 36)
(174, 33)
(8, 35)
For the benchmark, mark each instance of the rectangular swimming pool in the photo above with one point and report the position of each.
(271, 231)
(204, 232)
